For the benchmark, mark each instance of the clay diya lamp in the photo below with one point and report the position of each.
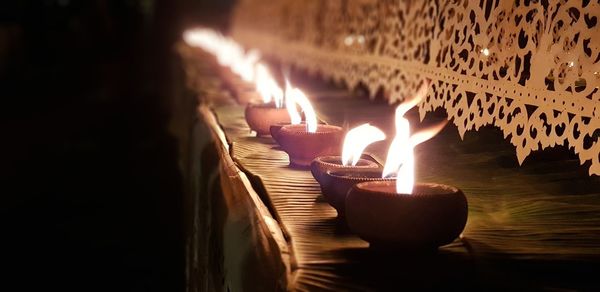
(303, 146)
(432, 216)
(260, 117)
(355, 142)
(336, 184)
(274, 129)
(323, 164)
(398, 214)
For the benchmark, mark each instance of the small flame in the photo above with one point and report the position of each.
(295, 96)
(400, 158)
(228, 52)
(357, 140)
(267, 86)
(309, 113)
(244, 66)
(290, 104)
(427, 133)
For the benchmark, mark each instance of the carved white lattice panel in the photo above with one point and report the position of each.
(527, 67)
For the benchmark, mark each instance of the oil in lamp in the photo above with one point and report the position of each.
(260, 116)
(402, 214)
(305, 142)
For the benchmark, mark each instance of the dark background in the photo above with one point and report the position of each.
(90, 147)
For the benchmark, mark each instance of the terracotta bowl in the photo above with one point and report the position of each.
(323, 164)
(302, 146)
(260, 117)
(274, 129)
(336, 184)
(434, 215)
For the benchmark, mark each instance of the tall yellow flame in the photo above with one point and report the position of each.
(357, 140)
(400, 159)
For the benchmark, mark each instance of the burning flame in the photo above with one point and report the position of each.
(298, 97)
(227, 51)
(295, 96)
(400, 158)
(244, 66)
(247, 66)
(290, 104)
(267, 86)
(206, 39)
(357, 140)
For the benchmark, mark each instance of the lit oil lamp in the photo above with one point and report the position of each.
(290, 105)
(237, 65)
(336, 184)
(305, 142)
(337, 174)
(355, 142)
(400, 213)
(261, 116)
(274, 129)
(295, 118)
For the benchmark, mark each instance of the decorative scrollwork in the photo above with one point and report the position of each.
(530, 68)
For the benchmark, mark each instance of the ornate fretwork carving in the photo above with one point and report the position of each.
(527, 67)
